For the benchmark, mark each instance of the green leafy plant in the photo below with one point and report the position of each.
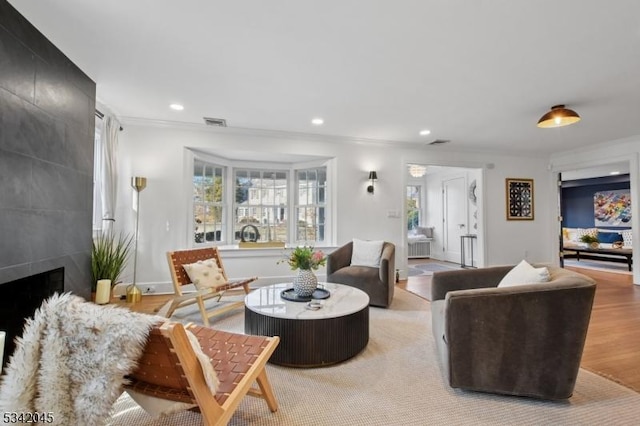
(305, 258)
(109, 256)
(589, 239)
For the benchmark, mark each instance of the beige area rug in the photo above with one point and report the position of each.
(396, 380)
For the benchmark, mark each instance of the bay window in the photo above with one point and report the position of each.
(264, 202)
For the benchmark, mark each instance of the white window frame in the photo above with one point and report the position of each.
(228, 239)
(97, 176)
(211, 204)
(315, 205)
(420, 207)
(256, 203)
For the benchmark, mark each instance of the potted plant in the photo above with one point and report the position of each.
(109, 255)
(306, 260)
(590, 240)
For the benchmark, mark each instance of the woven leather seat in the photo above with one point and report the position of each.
(180, 278)
(169, 369)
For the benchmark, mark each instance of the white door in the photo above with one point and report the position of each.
(454, 217)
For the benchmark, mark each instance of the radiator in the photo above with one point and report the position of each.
(420, 249)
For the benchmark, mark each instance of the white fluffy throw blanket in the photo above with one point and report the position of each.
(71, 360)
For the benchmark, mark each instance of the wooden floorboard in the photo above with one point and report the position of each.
(612, 348)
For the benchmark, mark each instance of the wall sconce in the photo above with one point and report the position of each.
(372, 176)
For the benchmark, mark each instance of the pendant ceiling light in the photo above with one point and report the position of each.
(558, 116)
(416, 170)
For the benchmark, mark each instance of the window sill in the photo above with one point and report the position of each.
(232, 251)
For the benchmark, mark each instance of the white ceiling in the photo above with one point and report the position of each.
(479, 73)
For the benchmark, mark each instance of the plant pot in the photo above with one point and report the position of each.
(305, 283)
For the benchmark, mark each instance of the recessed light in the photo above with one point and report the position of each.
(176, 107)
(317, 121)
(425, 132)
(614, 173)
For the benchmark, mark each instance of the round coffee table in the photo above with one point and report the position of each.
(310, 338)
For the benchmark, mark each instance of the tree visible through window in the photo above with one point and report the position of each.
(269, 204)
(208, 202)
(261, 201)
(414, 206)
(311, 204)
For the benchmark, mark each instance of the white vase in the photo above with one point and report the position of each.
(305, 283)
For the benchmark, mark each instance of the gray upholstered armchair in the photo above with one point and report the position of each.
(525, 340)
(378, 283)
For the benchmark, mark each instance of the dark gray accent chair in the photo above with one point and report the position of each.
(524, 340)
(378, 283)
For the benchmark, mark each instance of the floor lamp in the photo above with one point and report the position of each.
(133, 292)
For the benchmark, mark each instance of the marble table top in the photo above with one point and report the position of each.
(344, 300)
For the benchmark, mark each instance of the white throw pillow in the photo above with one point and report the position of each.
(157, 407)
(205, 274)
(524, 273)
(209, 373)
(366, 253)
(627, 236)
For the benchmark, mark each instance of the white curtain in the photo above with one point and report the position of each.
(110, 130)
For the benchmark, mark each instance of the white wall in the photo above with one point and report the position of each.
(157, 151)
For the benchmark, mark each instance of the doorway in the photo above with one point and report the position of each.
(446, 201)
(596, 201)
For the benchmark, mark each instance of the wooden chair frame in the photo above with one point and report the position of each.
(180, 278)
(169, 369)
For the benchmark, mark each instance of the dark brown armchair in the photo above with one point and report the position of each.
(525, 340)
(378, 283)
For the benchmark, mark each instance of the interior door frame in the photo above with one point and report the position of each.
(634, 184)
(481, 243)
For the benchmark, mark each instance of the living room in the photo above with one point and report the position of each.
(162, 147)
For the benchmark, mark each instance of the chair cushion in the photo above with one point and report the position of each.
(351, 275)
(524, 273)
(426, 231)
(366, 253)
(205, 274)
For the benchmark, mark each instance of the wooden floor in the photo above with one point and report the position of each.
(612, 348)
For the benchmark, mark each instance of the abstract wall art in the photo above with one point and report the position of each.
(612, 208)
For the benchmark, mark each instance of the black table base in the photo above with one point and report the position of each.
(312, 342)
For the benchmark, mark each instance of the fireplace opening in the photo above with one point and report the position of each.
(19, 300)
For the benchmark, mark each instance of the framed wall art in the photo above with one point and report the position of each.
(519, 199)
(612, 208)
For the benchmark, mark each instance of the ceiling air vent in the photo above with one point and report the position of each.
(439, 141)
(218, 122)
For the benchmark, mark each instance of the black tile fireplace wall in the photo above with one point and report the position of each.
(47, 119)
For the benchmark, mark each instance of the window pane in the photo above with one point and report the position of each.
(311, 199)
(414, 206)
(208, 202)
(261, 200)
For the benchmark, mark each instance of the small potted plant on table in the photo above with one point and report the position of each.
(590, 240)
